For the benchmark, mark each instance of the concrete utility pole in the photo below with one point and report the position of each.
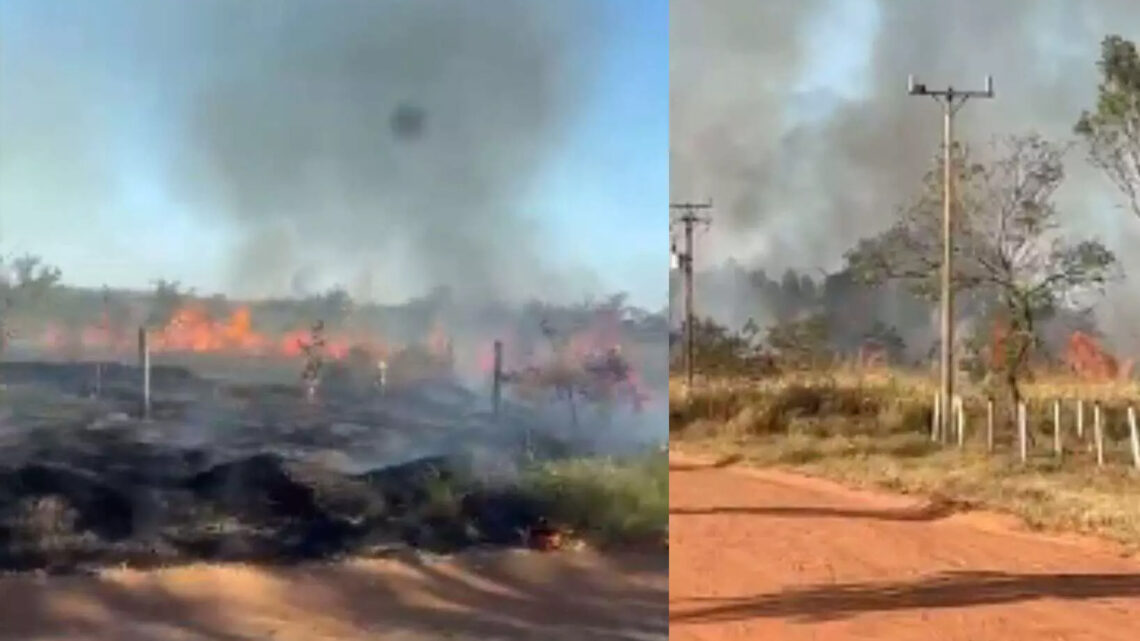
(688, 218)
(951, 100)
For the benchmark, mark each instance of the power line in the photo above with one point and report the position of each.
(951, 100)
(689, 217)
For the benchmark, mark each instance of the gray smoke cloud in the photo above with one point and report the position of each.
(798, 174)
(398, 133)
(387, 146)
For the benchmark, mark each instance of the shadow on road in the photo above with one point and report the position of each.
(928, 512)
(468, 598)
(696, 467)
(948, 590)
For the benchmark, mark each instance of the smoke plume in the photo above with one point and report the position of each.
(342, 137)
(801, 163)
(406, 130)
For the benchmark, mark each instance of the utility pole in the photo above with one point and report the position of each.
(688, 218)
(951, 100)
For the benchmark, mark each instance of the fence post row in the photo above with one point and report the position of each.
(957, 409)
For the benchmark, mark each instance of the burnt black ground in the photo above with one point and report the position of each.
(256, 475)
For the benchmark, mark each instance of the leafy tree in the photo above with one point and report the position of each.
(1008, 246)
(802, 343)
(24, 280)
(808, 289)
(790, 285)
(1112, 131)
(717, 350)
(168, 297)
(887, 338)
(333, 307)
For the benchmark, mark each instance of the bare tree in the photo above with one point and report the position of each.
(1010, 251)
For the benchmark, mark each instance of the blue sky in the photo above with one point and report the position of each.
(613, 176)
(106, 216)
(848, 29)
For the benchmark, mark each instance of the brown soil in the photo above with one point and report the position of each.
(477, 595)
(757, 554)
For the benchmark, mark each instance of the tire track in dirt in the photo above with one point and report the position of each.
(757, 554)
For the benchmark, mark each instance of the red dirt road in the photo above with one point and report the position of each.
(765, 555)
(481, 595)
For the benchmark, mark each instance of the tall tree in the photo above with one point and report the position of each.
(1009, 249)
(1112, 130)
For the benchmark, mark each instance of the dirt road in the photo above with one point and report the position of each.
(485, 595)
(765, 555)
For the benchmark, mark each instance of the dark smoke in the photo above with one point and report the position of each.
(798, 173)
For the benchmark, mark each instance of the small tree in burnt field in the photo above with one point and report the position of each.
(313, 350)
(24, 280)
(1009, 248)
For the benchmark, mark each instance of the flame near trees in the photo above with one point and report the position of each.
(583, 361)
(1010, 248)
(1088, 360)
(585, 364)
(193, 329)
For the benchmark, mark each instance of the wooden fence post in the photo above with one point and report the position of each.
(935, 421)
(1098, 434)
(1080, 419)
(1134, 437)
(1022, 433)
(1057, 427)
(990, 425)
(960, 407)
(144, 369)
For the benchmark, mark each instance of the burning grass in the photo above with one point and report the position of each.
(872, 428)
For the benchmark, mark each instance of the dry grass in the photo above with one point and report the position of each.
(611, 502)
(872, 428)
